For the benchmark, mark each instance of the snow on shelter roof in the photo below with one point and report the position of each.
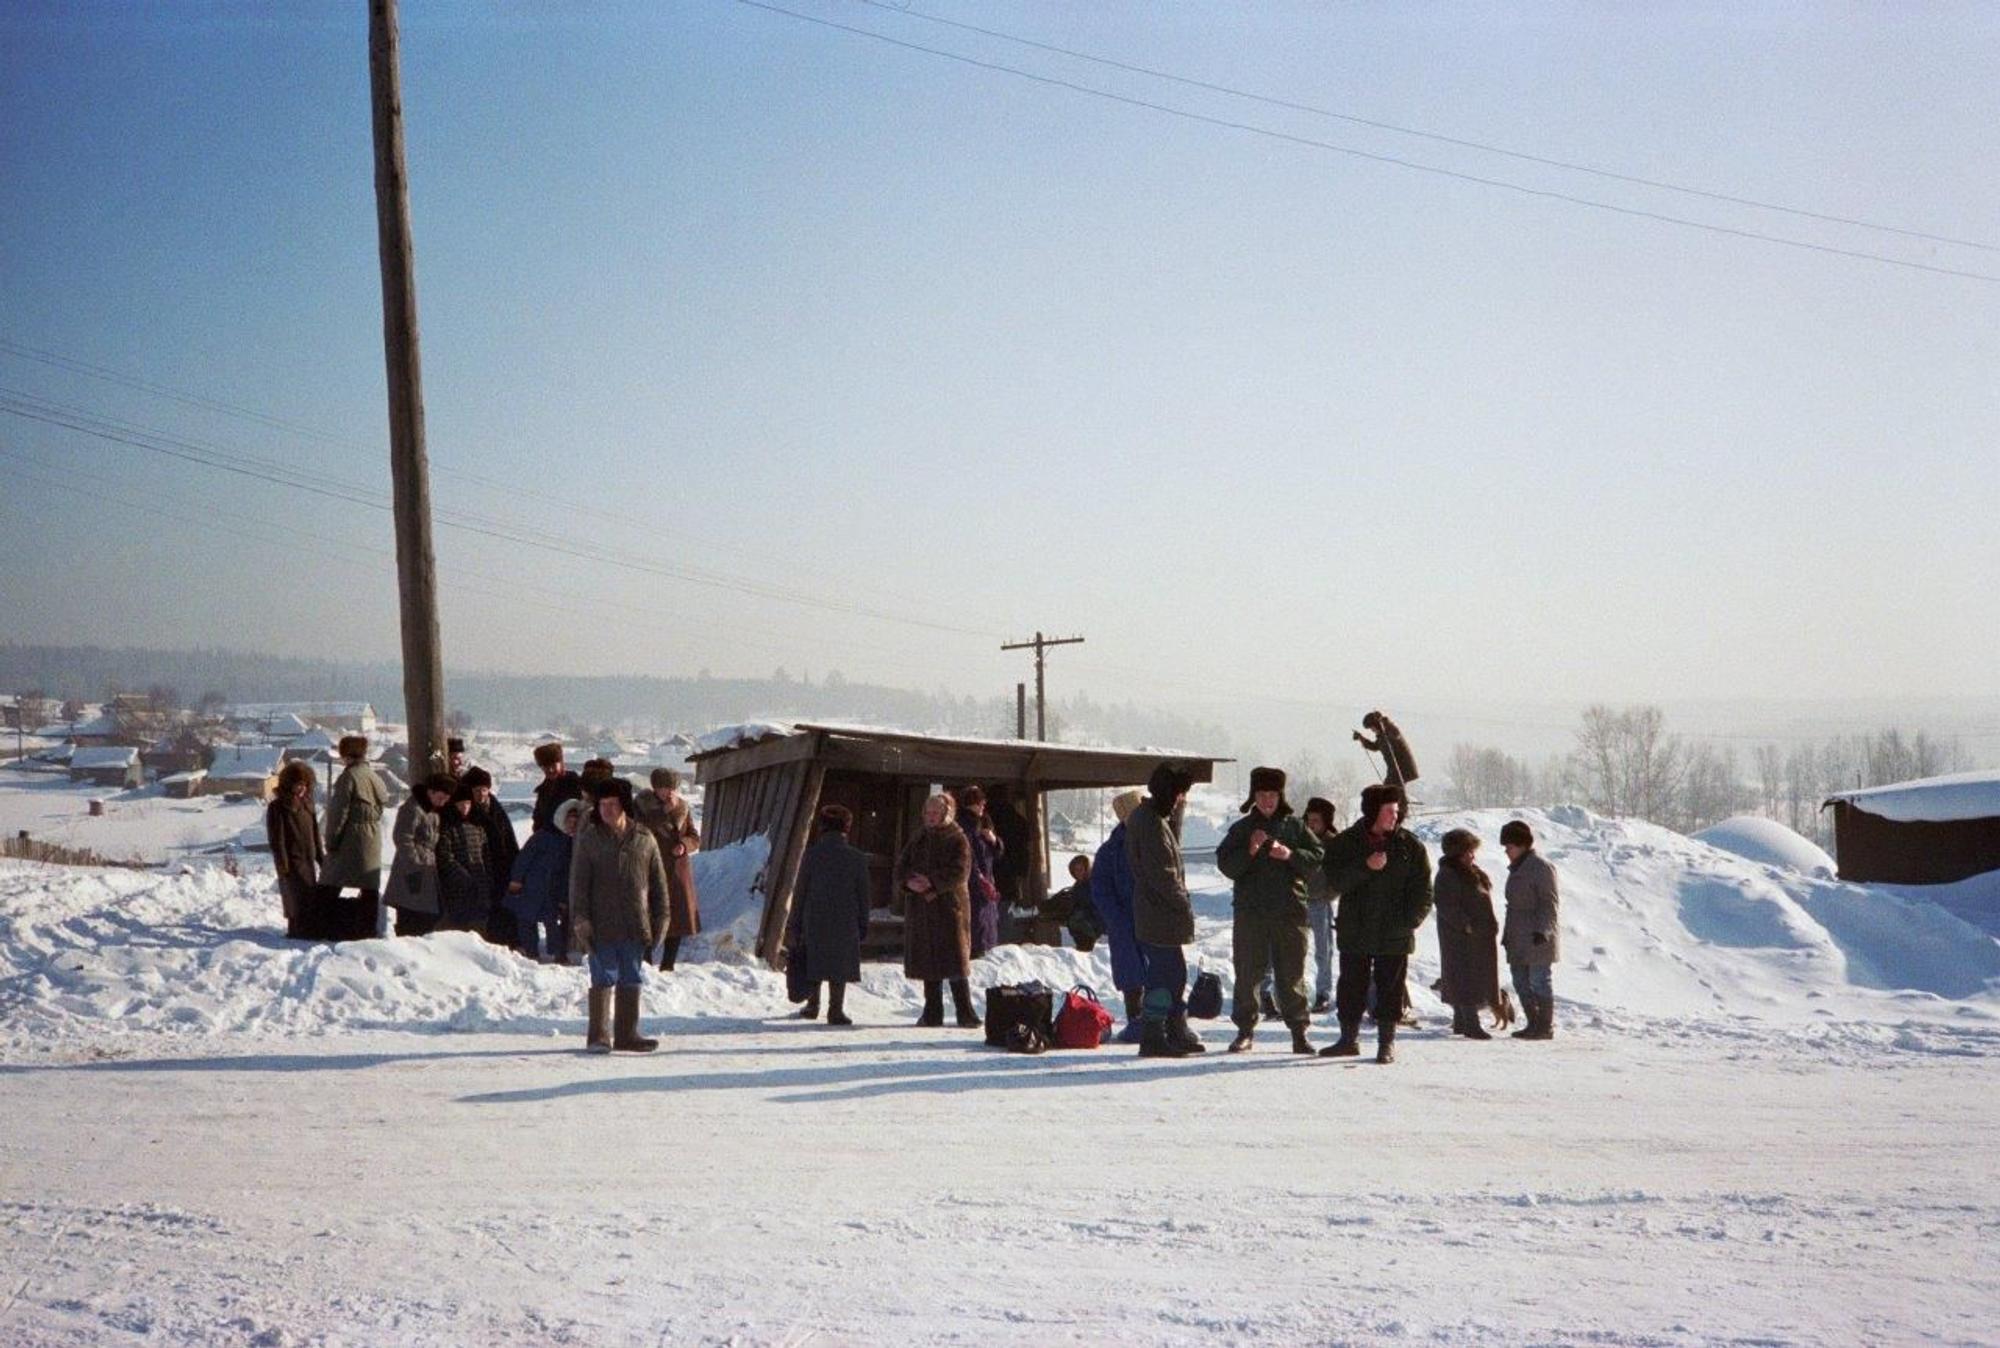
(1936, 800)
(94, 758)
(758, 732)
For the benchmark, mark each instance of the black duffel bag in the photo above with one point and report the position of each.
(1205, 998)
(1028, 1004)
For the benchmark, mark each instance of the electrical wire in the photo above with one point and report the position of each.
(1485, 147)
(1396, 161)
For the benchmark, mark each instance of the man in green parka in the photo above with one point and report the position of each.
(1383, 876)
(1269, 852)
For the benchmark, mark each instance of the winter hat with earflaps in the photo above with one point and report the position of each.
(477, 777)
(1267, 779)
(1124, 803)
(548, 755)
(567, 810)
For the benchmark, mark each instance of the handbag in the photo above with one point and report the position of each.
(1205, 997)
(1082, 1021)
(1008, 1005)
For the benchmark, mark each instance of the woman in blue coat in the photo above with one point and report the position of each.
(538, 888)
(1111, 892)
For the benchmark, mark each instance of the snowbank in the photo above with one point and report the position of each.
(1656, 927)
(1771, 843)
(1938, 800)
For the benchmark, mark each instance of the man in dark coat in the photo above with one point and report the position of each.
(1269, 853)
(558, 784)
(1399, 765)
(1531, 938)
(501, 849)
(1162, 915)
(829, 918)
(1383, 876)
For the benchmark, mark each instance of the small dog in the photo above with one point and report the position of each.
(1502, 1007)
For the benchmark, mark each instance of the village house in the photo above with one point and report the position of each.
(1928, 832)
(114, 766)
(249, 769)
(341, 718)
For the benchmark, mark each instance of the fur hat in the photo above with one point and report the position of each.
(597, 769)
(569, 809)
(665, 779)
(1323, 807)
(1373, 798)
(463, 791)
(1516, 833)
(1169, 780)
(1267, 779)
(1124, 803)
(619, 787)
(354, 746)
(477, 777)
(442, 782)
(454, 745)
(1459, 842)
(548, 755)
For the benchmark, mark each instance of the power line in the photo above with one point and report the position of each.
(1395, 161)
(30, 407)
(1482, 146)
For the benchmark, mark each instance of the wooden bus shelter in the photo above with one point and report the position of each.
(774, 784)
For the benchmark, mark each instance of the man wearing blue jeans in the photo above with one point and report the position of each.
(1530, 936)
(618, 908)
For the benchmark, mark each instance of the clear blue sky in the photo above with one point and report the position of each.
(716, 287)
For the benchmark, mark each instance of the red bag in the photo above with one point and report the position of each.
(1082, 1021)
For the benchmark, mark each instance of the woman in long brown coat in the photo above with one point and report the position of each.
(667, 816)
(1468, 932)
(292, 826)
(932, 876)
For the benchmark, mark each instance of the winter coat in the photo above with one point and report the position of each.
(1263, 883)
(464, 881)
(542, 872)
(1161, 911)
(354, 830)
(502, 845)
(293, 830)
(674, 830)
(829, 918)
(1380, 911)
(1399, 765)
(413, 877)
(551, 792)
(937, 924)
(1111, 893)
(1533, 907)
(1468, 958)
(618, 884)
(983, 884)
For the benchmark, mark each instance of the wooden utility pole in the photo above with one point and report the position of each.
(416, 561)
(1040, 646)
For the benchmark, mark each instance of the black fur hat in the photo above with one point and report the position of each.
(548, 755)
(1516, 833)
(1323, 807)
(443, 783)
(1267, 779)
(1168, 782)
(1373, 798)
(477, 777)
(454, 745)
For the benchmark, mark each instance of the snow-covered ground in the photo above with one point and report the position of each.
(1767, 1118)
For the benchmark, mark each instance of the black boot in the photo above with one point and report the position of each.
(1458, 1014)
(961, 1002)
(1349, 1045)
(1531, 1010)
(1385, 1041)
(1301, 1044)
(1154, 1043)
(1245, 1040)
(810, 1011)
(933, 1015)
(1541, 1020)
(836, 1004)
(670, 950)
(1179, 1033)
(1473, 1029)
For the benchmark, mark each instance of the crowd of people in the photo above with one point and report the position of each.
(606, 873)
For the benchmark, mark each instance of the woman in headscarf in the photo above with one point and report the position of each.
(931, 877)
(1468, 932)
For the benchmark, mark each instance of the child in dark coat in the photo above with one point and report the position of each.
(538, 889)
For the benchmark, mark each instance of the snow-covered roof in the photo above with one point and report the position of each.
(258, 711)
(314, 738)
(193, 776)
(1936, 800)
(1766, 840)
(102, 724)
(754, 732)
(93, 758)
(246, 760)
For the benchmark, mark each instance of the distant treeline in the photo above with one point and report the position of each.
(570, 704)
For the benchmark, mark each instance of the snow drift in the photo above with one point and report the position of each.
(1770, 842)
(1655, 925)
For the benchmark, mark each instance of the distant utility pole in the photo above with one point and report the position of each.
(1040, 646)
(416, 561)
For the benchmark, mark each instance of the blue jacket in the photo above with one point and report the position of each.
(542, 868)
(1111, 892)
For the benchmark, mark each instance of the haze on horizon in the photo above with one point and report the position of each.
(950, 355)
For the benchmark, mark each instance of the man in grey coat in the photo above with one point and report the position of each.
(1530, 935)
(1162, 915)
(354, 838)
